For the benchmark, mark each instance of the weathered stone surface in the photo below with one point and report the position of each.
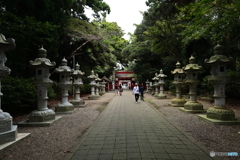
(193, 106)
(64, 107)
(9, 136)
(78, 103)
(176, 102)
(41, 116)
(220, 114)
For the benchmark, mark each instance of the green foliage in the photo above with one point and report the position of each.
(85, 89)
(51, 94)
(97, 45)
(233, 85)
(18, 94)
(206, 89)
(33, 23)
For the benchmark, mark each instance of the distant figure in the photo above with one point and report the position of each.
(141, 91)
(136, 92)
(116, 89)
(120, 89)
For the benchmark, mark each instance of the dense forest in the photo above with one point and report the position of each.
(171, 31)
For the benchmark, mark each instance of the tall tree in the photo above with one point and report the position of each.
(40, 22)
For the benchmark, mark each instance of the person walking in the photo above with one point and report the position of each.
(116, 89)
(141, 91)
(120, 90)
(136, 92)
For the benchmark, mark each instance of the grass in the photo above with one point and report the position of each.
(100, 109)
(151, 103)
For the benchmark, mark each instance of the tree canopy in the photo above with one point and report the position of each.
(173, 30)
(64, 30)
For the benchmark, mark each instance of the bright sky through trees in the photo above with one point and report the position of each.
(126, 13)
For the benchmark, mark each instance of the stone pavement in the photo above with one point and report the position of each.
(126, 130)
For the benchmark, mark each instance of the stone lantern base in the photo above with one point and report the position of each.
(161, 96)
(93, 97)
(9, 136)
(64, 108)
(78, 103)
(220, 114)
(8, 132)
(178, 102)
(41, 116)
(193, 107)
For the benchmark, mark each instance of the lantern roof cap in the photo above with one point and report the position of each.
(192, 66)
(77, 71)
(92, 76)
(161, 74)
(42, 61)
(178, 69)
(7, 44)
(218, 58)
(63, 68)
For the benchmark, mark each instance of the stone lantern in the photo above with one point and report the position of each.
(191, 70)
(64, 72)
(98, 86)
(161, 82)
(8, 132)
(147, 85)
(103, 86)
(77, 82)
(219, 114)
(178, 81)
(93, 83)
(42, 83)
(155, 85)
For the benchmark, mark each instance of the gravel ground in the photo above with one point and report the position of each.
(218, 138)
(55, 141)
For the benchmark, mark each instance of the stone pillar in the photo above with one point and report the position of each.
(156, 89)
(93, 84)
(8, 132)
(64, 72)
(155, 85)
(219, 114)
(178, 81)
(113, 85)
(191, 70)
(150, 88)
(147, 86)
(104, 85)
(161, 82)
(153, 88)
(77, 82)
(42, 82)
(98, 85)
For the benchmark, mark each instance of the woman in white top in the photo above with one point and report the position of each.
(136, 92)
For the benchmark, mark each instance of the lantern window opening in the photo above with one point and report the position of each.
(222, 69)
(39, 72)
(62, 76)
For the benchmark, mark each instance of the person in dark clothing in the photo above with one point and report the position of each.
(120, 89)
(141, 91)
(116, 89)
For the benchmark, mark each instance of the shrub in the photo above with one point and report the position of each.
(18, 94)
(85, 89)
(205, 88)
(51, 93)
(233, 85)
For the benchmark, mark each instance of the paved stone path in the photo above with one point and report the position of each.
(126, 130)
